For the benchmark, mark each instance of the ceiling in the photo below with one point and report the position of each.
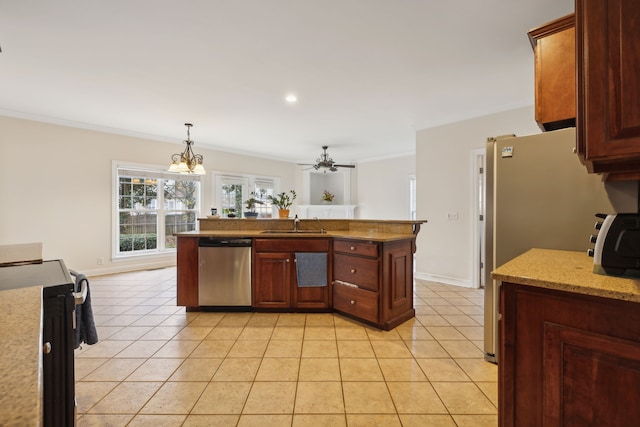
(367, 73)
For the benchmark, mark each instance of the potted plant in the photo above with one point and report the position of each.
(251, 206)
(283, 201)
(327, 197)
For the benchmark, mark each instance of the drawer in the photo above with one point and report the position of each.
(360, 271)
(291, 245)
(355, 301)
(356, 247)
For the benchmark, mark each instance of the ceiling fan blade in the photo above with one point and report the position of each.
(344, 166)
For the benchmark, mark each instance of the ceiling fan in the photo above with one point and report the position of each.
(324, 162)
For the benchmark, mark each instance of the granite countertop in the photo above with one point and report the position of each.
(566, 271)
(371, 230)
(20, 361)
(347, 234)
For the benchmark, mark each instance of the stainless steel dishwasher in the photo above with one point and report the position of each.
(224, 272)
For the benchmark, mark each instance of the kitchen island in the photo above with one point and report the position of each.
(569, 343)
(369, 268)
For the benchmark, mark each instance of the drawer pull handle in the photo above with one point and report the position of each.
(353, 248)
(353, 270)
(353, 302)
(46, 348)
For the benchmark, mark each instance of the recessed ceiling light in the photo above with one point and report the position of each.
(291, 98)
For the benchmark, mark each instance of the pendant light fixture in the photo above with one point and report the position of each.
(187, 162)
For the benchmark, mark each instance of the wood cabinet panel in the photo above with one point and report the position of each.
(397, 282)
(555, 73)
(275, 282)
(361, 271)
(272, 280)
(355, 301)
(187, 271)
(608, 58)
(581, 370)
(291, 245)
(566, 358)
(356, 247)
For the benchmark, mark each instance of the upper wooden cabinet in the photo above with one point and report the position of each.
(608, 60)
(555, 73)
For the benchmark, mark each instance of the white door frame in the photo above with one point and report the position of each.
(478, 211)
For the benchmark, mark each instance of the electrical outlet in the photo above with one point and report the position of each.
(100, 260)
(452, 216)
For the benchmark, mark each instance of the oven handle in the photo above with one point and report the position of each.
(80, 297)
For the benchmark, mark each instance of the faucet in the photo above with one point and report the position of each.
(322, 230)
(296, 221)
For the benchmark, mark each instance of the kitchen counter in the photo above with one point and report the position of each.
(356, 235)
(569, 342)
(373, 230)
(369, 271)
(566, 271)
(20, 361)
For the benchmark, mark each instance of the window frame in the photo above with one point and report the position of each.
(155, 172)
(248, 183)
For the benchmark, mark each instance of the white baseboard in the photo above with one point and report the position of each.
(465, 283)
(114, 268)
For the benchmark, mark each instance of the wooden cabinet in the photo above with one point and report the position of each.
(187, 271)
(567, 359)
(374, 281)
(275, 283)
(555, 73)
(58, 388)
(608, 113)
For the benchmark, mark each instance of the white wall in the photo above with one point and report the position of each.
(383, 188)
(56, 188)
(444, 185)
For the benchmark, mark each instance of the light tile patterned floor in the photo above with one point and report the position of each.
(157, 365)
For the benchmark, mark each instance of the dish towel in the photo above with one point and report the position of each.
(311, 269)
(85, 325)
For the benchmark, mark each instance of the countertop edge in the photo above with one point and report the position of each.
(567, 271)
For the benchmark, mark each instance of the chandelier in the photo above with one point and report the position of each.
(187, 162)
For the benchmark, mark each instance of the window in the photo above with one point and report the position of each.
(151, 206)
(233, 190)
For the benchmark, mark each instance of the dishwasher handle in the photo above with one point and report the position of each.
(215, 242)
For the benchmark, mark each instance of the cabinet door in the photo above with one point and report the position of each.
(555, 69)
(312, 297)
(608, 57)
(272, 280)
(582, 372)
(567, 359)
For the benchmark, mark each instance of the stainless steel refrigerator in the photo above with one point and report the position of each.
(539, 195)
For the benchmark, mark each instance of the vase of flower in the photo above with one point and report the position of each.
(283, 202)
(283, 213)
(327, 198)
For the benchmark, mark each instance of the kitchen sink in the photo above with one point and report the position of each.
(294, 232)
